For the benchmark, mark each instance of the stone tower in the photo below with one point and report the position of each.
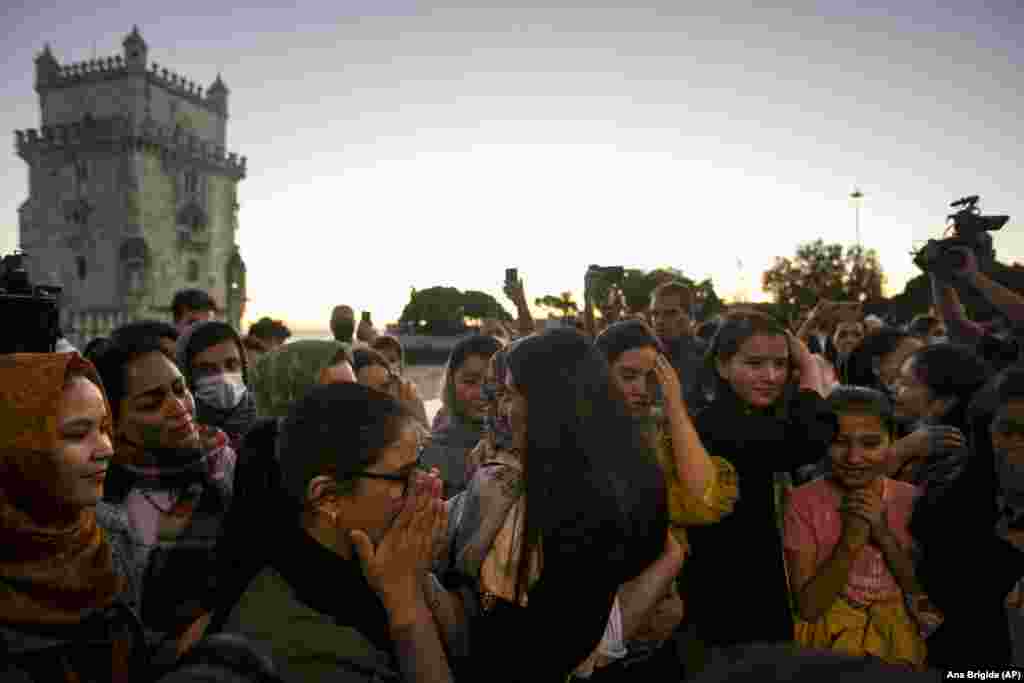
(132, 195)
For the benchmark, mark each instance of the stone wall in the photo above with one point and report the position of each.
(81, 327)
(114, 97)
(136, 129)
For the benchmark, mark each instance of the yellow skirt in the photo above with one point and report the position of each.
(884, 630)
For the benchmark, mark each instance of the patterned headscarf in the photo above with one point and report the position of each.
(285, 375)
(49, 572)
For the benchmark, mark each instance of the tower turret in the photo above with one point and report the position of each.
(217, 96)
(47, 68)
(135, 50)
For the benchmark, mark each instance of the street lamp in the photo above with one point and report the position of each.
(855, 197)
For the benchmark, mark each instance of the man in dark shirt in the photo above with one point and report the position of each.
(670, 315)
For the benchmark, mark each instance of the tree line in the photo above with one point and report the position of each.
(816, 271)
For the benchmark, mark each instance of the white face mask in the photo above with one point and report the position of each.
(223, 392)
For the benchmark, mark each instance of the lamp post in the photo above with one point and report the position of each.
(855, 197)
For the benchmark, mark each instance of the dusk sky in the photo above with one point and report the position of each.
(396, 144)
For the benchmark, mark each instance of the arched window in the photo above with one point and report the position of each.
(81, 170)
(82, 267)
(134, 261)
(191, 182)
(193, 271)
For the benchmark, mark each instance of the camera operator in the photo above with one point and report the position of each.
(964, 331)
(30, 312)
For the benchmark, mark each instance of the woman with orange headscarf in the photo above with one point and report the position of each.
(69, 583)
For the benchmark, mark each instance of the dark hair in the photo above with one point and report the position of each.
(1003, 387)
(921, 324)
(367, 358)
(707, 329)
(862, 401)
(146, 328)
(620, 337)
(112, 362)
(95, 347)
(201, 337)
(862, 365)
(336, 430)
(735, 329)
(477, 345)
(678, 289)
(951, 371)
(195, 299)
(584, 454)
(1009, 384)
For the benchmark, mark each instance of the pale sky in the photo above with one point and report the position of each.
(396, 144)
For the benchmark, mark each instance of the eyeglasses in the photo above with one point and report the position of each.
(403, 478)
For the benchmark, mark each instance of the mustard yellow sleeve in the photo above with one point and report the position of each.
(719, 497)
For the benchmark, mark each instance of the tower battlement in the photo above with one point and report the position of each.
(123, 132)
(51, 74)
(132, 194)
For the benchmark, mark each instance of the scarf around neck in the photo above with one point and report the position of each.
(50, 572)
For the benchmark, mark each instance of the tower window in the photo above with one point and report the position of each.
(82, 267)
(135, 276)
(81, 170)
(193, 271)
(191, 182)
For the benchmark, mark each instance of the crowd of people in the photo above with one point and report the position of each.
(637, 497)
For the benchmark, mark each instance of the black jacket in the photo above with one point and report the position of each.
(735, 583)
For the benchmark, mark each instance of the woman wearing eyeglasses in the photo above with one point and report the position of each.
(348, 594)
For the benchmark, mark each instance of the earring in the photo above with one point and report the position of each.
(329, 513)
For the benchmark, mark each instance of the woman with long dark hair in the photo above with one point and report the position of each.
(767, 417)
(172, 478)
(543, 541)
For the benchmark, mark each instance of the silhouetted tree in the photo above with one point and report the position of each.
(480, 305)
(435, 310)
(823, 271)
(564, 304)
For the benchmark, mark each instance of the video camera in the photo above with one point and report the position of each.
(30, 313)
(971, 230)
